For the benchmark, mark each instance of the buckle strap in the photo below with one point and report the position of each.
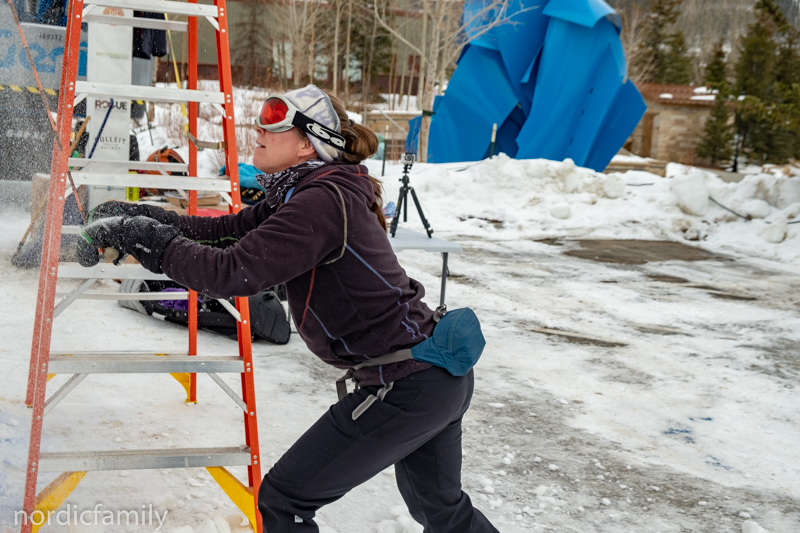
(439, 312)
(220, 145)
(372, 398)
(341, 385)
(394, 357)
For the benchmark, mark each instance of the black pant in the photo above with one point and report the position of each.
(417, 428)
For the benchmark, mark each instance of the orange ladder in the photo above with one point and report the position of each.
(184, 366)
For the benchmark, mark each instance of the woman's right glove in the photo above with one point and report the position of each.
(114, 208)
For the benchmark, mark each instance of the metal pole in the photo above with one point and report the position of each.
(385, 147)
(494, 138)
(444, 277)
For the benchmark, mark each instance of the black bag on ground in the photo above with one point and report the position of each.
(267, 316)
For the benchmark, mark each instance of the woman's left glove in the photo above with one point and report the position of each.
(142, 237)
(114, 208)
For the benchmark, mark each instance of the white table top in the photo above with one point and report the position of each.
(405, 239)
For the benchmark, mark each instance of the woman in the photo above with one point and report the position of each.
(321, 231)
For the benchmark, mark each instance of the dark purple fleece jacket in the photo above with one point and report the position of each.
(349, 297)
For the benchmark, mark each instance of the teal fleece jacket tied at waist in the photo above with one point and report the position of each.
(349, 297)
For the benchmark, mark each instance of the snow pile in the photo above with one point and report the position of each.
(748, 526)
(538, 199)
(691, 193)
(402, 523)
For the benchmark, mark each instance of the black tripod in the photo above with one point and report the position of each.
(402, 201)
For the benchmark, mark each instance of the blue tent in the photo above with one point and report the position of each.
(555, 83)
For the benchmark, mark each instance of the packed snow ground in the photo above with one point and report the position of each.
(680, 415)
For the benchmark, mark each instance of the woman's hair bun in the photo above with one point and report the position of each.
(361, 141)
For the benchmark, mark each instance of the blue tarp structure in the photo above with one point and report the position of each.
(555, 83)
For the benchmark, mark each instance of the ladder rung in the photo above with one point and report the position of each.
(157, 6)
(139, 296)
(107, 271)
(152, 94)
(137, 22)
(144, 364)
(126, 165)
(143, 459)
(117, 352)
(152, 181)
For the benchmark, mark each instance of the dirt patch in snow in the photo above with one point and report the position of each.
(780, 359)
(635, 252)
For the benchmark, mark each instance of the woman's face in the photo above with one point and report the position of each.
(279, 151)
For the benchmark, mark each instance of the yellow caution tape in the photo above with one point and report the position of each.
(34, 90)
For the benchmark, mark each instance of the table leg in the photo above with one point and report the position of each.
(445, 273)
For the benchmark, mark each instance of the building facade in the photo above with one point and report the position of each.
(674, 122)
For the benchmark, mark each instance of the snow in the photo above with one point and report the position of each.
(666, 96)
(561, 435)
(691, 193)
(621, 158)
(748, 526)
(756, 208)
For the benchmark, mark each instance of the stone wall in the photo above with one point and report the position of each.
(676, 130)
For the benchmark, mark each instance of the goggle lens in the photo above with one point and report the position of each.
(273, 111)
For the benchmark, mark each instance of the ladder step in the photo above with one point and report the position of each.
(152, 181)
(144, 364)
(143, 459)
(139, 296)
(86, 164)
(157, 6)
(117, 352)
(151, 94)
(107, 271)
(137, 22)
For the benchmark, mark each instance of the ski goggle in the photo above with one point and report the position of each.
(278, 115)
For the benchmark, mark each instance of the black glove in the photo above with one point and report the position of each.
(142, 237)
(125, 209)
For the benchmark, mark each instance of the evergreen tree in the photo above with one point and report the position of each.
(665, 50)
(677, 63)
(717, 70)
(755, 70)
(765, 76)
(787, 69)
(717, 143)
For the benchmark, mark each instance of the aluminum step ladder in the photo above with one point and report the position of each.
(184, 366)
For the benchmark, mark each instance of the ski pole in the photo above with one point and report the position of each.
(102, 127)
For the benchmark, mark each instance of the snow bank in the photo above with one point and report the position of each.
(691, 193)
(535, 199)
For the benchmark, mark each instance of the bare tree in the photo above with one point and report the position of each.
(252, 49)
(338, 5)
(705, 22)
(294, 23)
(632, 38)
(347, 53)
(448, 36)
